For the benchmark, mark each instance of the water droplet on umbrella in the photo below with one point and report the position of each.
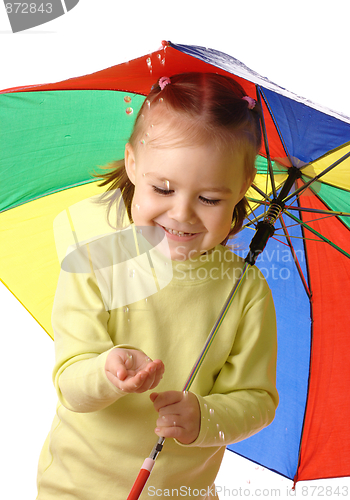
(67, 136)
(205, 406)
(129, 111)
(126, 309)
(211, 411)
(221, 435)
(131, 273)
(149, 64)
(127, 98)
(217, 426)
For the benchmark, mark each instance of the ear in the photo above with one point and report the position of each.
(130, 164)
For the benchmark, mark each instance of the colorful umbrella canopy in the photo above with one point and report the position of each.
(53, 137)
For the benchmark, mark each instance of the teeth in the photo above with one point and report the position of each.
(178, 233)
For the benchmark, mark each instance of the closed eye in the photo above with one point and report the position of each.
(208, 201)
(164, 192)
(167, 192)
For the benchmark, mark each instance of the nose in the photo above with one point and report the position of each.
(182, 210)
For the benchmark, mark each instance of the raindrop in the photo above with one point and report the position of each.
(127, 99)
(126, 309)
(138, 208)
(143, 142)
(129, 111)
(221, 435)
(161, 99)
(253, 416)
(149, 64)
(205, 406)
(67, 136)
(131, 273)
(211, 411)
(147, 134)
(217, 426)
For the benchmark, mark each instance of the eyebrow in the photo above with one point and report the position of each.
(208, 189)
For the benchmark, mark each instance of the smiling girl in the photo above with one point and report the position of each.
(187, 167)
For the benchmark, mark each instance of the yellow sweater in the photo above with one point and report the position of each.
(100, 436)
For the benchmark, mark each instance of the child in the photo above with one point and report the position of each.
(188, 164)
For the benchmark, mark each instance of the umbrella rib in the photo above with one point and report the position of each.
(317, 177)
(266, 142)
(252, 210)
(304, 209)
(258, 190)
(257, 218)
(276, 125)
(318, 218)
(295, 258)
(294, 237)
(323, 238)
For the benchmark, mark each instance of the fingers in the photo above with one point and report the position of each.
(164, 399)
(179, 415)
(132, 370)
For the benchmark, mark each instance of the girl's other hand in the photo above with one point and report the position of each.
(179, 415)
(131, 370)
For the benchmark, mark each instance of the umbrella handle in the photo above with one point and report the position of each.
(148, 464)
(141, 479)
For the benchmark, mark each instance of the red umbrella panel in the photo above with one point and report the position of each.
(54, 137)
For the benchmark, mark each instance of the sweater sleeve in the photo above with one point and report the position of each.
(82, 341)
(244, 398)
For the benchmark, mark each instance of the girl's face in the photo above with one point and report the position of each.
(189, 192)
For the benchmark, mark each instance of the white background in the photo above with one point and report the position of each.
(300, 45)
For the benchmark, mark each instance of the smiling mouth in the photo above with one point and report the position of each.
(177, 233)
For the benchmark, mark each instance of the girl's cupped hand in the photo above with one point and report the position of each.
(131, 370)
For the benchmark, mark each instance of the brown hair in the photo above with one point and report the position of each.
(211, 107)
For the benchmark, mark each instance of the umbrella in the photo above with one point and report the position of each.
(54, 136)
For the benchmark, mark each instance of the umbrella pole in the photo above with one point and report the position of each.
(148, 464)
(265, 229)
